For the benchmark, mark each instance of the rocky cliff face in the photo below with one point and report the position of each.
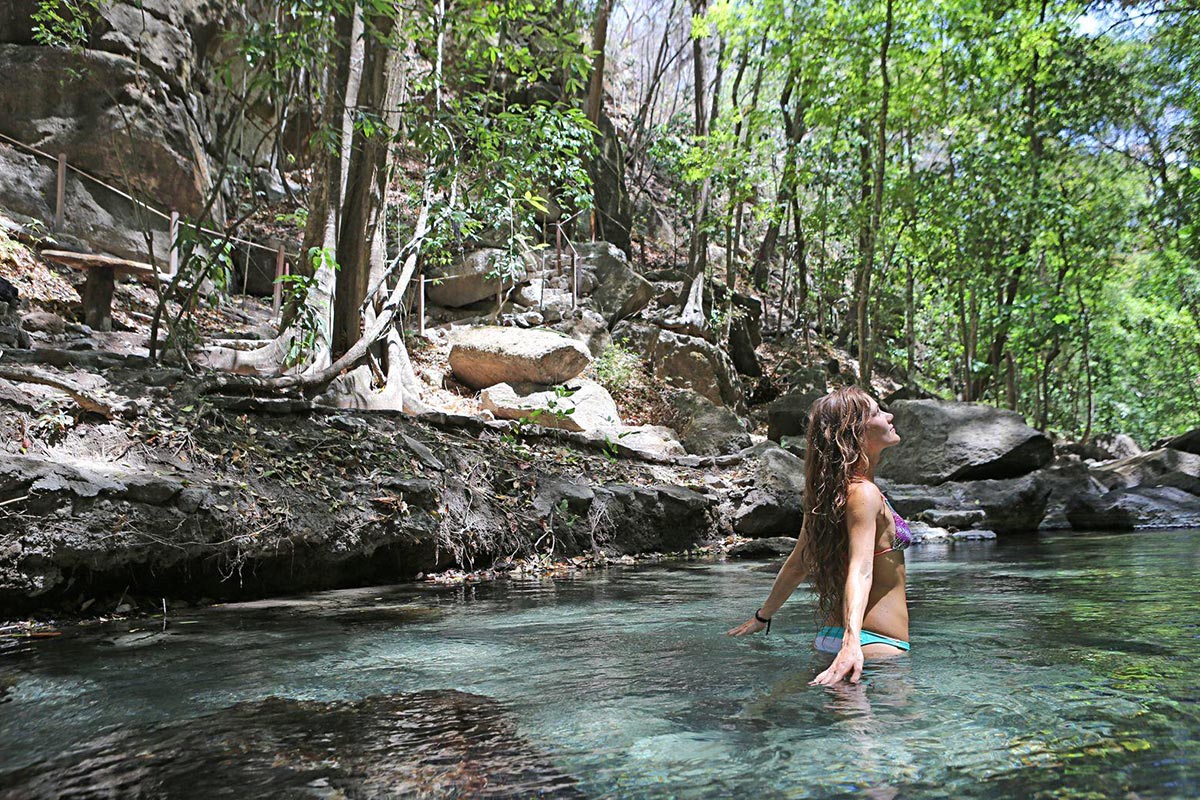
(134, 107)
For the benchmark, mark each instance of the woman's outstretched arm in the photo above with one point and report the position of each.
(862, 510)
(790, 576)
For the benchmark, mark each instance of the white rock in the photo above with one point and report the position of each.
(578, 405)
(485, 356)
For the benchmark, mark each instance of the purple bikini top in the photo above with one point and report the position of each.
(903, 536)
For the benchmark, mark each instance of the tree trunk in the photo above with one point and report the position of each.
(366, 185)
(1036, 147)
(794, 130)
(698, 244)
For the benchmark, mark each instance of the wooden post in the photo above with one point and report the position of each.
(60, 193)
(97, 297)
(574, 278)
(277, 292)
(558, 245)
(173, 240)
(421, 301)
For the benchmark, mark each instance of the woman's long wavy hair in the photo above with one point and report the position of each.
(836, 428)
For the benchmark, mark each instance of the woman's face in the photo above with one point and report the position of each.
(880, 432)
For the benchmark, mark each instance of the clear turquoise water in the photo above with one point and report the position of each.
(1062, 666)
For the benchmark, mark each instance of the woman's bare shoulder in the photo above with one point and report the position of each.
(864, 494)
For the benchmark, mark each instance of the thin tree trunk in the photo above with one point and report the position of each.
(698, 244)
(865, 348)
(595, 98)
(794, 130)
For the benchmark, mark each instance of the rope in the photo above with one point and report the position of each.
(134, 200)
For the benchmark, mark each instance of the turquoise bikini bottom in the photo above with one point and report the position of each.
(829, 639)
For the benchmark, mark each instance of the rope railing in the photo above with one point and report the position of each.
(173, 219)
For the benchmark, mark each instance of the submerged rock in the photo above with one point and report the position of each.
(425, 744)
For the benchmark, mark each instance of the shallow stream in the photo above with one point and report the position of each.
(1059, 666)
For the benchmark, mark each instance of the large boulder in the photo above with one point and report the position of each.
(1187, 442)
(770, 466)
(775, 504)
(473, 277)
(766, 512)
(943, 441)
(578, 405)
(1010, 505)
(705, 428)
(1136, 507)
(620, 292)
(484, 356)
(685, 362)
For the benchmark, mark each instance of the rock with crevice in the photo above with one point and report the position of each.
(1151, 468)
(1187, 442)
(704, 427)
(620, 291)
(685, 362)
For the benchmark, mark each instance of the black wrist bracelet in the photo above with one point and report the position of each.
(766, 621)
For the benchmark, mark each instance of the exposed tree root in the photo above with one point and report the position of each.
(85, 400)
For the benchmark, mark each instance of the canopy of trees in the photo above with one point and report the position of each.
(995, 201)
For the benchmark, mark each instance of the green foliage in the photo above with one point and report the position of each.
(616, 366)
(501, 170)
(65, 23)
(1039, 192)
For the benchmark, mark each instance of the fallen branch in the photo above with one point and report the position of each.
(86, 401)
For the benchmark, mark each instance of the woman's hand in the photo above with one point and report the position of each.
(847, 665)
(751, 625)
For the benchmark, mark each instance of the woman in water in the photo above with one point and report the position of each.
(851, 541)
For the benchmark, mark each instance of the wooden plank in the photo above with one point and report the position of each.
(89, 261)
